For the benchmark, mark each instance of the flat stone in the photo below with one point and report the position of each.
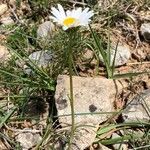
(122, 55)
(137, 109)
(145, 31)
(40, 58)
(91, 95)
(45, 29)
(83, 138)
(88, 55)
(27, 140)
(3, 9)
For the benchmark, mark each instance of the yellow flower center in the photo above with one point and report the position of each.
(69, 21)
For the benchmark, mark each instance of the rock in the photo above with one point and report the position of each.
(137, 109)
(40, 58)
(145, 31)
(120, 146)
(122, 55)
(83, 138)
(88, 55)
(27, 139)
(45, 29)
(89, 97)
(4, 54)
(3, 9)
(7, 21)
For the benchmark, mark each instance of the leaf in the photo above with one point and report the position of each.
(4, 119)
(128, 75)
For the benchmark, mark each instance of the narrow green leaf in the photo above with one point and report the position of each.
(128, 75)
(4, 120)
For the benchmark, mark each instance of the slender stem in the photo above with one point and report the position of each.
(71, 98)
(109, 73)
(98, 44)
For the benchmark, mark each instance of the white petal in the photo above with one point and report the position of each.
(78, 12)
(90, 14)
(56, 13)
(68, 12)
(62, 12)
(85, 10)
(85, 16)
(72, 13)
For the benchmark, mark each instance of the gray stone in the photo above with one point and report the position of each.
(91, 95)
(40, 59)
(145, 31)
(137, 109)
(83, 138)
(45, 29)
(88, 55)
(122, 55)
(3, 9)
(27, 140)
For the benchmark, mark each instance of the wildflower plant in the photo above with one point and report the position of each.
(70, 21)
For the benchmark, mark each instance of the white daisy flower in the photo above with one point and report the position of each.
(71, 18)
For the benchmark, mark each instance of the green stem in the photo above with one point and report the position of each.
(71, 99)
(98, 44)
(109, 73)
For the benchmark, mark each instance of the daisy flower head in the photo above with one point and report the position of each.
(71, 18)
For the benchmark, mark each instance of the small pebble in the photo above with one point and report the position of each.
(45, 29)
(122, 55)
(40, 58)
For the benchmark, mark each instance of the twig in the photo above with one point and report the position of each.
(13, 12)
(74, 2)
(138, 63)
(23, 131)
